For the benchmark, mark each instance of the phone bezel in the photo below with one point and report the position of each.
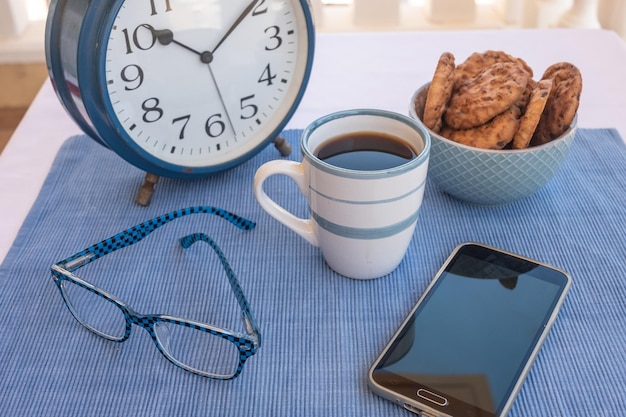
(402, 395)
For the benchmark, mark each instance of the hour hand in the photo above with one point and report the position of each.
(166, 37)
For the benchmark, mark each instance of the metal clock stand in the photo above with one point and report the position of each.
(146, 191)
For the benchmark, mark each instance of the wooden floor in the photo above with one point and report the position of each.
(19, 83)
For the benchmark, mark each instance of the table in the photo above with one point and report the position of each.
(377, 70)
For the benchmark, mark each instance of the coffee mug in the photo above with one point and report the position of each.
(363, 173)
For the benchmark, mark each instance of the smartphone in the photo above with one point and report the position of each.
(469, 342)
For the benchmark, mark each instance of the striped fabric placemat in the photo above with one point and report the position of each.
(320, 331)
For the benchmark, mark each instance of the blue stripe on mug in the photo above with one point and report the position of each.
(365, 233)
(389, 200)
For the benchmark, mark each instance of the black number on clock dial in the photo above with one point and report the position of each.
(259, 9)
(185, 120)
(132, 74)
(249, 108)
(153, 113)
(267, 76)
(273, 31)
(138, 39)
(215, 127)
(155, 10)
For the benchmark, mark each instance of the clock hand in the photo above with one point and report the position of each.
(219, 93)
(241, 17)
(166, 37)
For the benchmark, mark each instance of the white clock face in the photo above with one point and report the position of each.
(197, 83)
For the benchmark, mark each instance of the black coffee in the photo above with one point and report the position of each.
(366, 151)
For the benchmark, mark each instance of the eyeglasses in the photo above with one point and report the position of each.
(196, 347)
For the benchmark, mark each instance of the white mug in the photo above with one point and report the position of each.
(362, 220)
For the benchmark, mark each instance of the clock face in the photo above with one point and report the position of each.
(201, 83)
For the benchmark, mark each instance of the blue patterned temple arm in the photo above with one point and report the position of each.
(248, 320)
(136, 233)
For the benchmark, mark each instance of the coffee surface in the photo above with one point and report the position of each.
(366, 151)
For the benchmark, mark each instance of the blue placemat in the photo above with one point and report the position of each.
(320, 331)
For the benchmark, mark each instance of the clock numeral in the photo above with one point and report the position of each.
(132, 74)
(274, 36)
(258, 9)
(215, 128)
(168, 7)
(140, 42)
(250, 108)
(184, 119)
(267, 76)
(153, 113)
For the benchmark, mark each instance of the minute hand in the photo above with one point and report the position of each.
(235, 24)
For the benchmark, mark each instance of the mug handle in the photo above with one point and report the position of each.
(295, 171)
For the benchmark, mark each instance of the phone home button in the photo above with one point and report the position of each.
(432, 397)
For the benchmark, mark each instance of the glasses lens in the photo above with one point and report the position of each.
(95, 312)
(198, 350)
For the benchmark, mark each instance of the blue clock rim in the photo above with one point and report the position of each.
(54, 61)
(97, 23)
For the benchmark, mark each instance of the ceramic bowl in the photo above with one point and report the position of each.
(490, 177)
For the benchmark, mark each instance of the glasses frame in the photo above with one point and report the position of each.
(247, 344)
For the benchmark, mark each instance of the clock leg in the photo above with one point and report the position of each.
(283, 146)
(147, 190)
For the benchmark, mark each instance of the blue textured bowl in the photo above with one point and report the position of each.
(490, 177)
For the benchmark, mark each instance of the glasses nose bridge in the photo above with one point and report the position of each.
(143, 321)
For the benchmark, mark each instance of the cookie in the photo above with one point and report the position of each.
(495, 134)
(562, 103)
(560, 72)
(479, 61)
(532, 114)
(439, 92)
(479, 100)
(524, 99)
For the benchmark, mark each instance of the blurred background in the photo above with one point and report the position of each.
(22, 25)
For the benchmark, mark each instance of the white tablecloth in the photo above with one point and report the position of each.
(379, 70)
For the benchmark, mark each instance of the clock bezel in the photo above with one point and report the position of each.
(59, 50)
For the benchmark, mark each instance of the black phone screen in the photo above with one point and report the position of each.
(472, 335)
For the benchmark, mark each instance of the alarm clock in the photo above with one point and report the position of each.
(180, 88)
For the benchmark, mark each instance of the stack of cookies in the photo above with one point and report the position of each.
(491, 101)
